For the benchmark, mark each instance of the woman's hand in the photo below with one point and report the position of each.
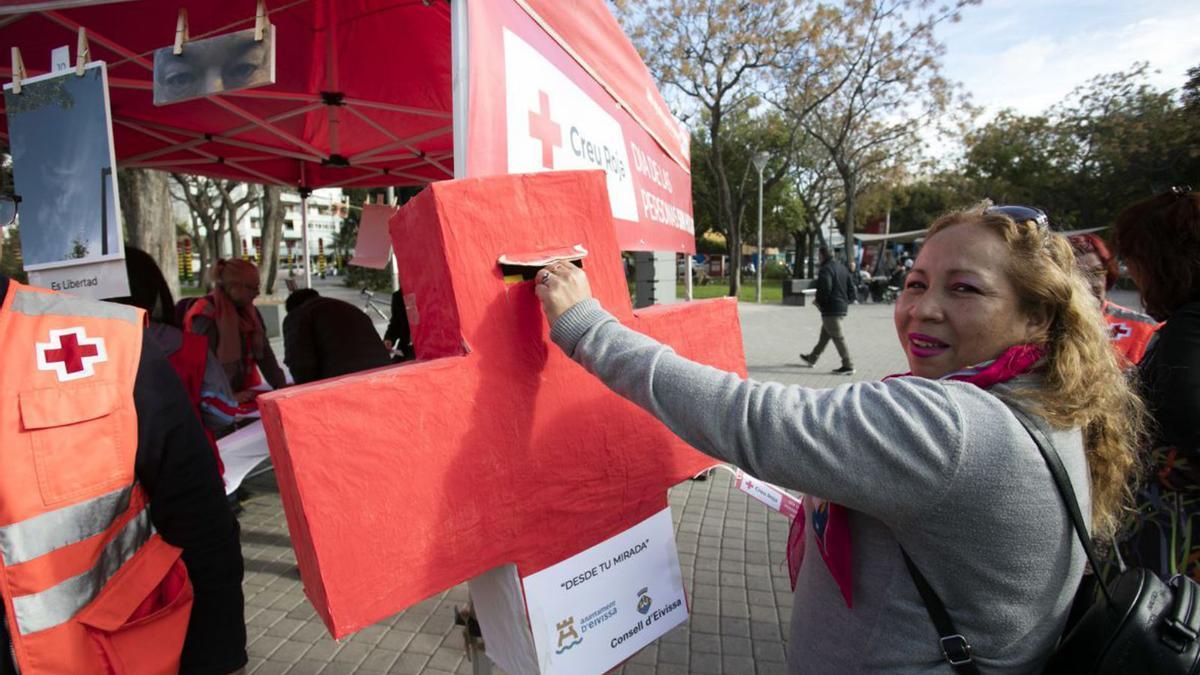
(560, 286)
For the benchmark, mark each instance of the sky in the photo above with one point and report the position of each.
(1030, 54)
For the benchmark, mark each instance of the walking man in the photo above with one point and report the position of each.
(835, 292)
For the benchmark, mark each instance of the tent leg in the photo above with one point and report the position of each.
(304, 238)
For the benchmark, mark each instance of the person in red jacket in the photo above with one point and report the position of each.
(1130, 331)
(234, 328)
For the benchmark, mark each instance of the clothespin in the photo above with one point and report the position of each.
(18, 70)
(260, 21)
(181, 31)
(83, 52)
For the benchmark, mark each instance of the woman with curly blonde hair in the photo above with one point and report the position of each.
(995, 322)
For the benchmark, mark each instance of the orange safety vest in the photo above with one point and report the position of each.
(88, 586)
(1130, 332)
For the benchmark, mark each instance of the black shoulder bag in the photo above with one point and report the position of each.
(1140, 625)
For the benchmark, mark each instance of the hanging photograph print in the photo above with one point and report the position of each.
(60, 136)
(214, 65)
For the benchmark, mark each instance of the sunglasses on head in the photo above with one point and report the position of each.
(1021, 214)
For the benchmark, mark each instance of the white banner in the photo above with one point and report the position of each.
(599, 607)
(553, 124)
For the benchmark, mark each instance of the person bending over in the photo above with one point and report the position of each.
(327, 337)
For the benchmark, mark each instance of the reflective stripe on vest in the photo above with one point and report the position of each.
(33, 303)
(47, 532)
(60, 603)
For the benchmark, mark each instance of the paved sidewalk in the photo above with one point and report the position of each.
(731, 550)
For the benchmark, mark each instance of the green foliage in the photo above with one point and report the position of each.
(1115, 140)
(775, 270)
(11, 264)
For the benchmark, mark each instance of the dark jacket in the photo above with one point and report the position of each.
(1170, 377)
(327, 337)
(175, 464)
(835, 288)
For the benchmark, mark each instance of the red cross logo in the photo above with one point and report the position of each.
(71, 354)
(1118, 331)
(546, 130)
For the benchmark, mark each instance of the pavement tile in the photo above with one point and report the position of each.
(284, 627)
(768, 651)
(446, 659)
(736, 646)
(306, 667)
(272, 668)
(735, 627)
(705, 623)
(737, 665)
(264, 645)
(352, 653)
(378, 661)
(289, 651)
(409, 664)
(424, 643)
(672, 653)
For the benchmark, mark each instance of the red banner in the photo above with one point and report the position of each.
(534, 106)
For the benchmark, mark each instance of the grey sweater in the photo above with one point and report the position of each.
(941, 467)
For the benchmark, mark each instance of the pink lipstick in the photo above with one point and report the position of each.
(924, 346)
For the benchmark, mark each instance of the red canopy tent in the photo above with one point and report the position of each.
(363, 95)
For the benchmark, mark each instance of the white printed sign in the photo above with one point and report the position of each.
(553, 124)
(771, 495)
(599, 607)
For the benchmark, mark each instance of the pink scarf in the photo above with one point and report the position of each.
(830, 522)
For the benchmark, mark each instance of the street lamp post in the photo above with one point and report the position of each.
(760, 163)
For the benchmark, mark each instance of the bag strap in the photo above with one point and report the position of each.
(1065, 490)
(955, 648)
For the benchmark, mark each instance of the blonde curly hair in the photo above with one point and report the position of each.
(1083, 384)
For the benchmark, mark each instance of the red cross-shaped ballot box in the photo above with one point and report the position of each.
(494, 448)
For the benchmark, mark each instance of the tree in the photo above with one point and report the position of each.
(721, 56)
(889, 87)
(149, 223)
(745, 135)
(234, 205)
(205, 223)
(1114, 140)
(272, 235)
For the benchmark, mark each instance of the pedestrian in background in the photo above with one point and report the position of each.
(835, 292)
(1159, 239)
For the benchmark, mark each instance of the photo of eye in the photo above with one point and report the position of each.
(214, 65)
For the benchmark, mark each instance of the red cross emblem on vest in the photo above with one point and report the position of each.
(494, 448)
(71, 354)
(1118, 331)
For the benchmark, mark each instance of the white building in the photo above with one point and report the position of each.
(325, 214)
